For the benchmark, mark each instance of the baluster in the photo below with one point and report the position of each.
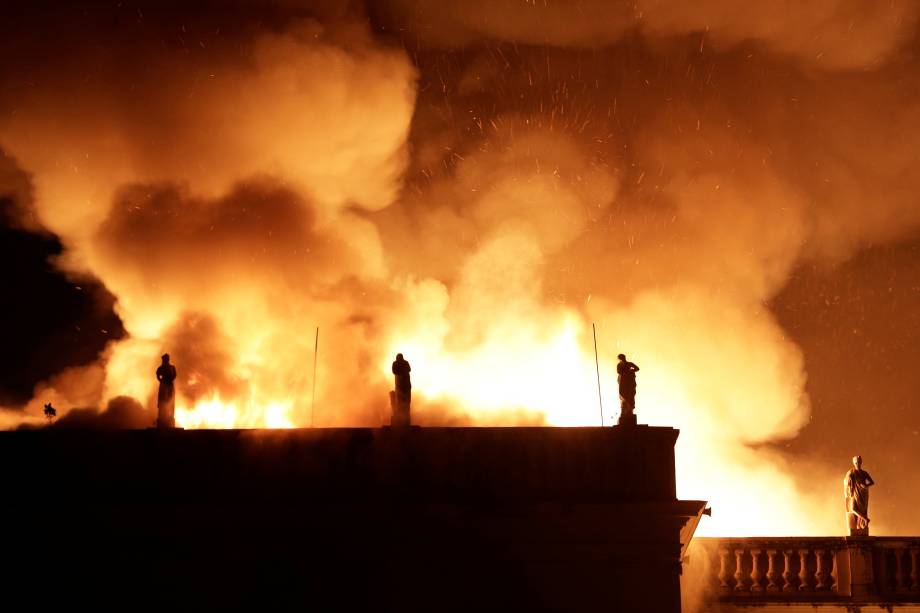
(739, 577)
(787, 571)
(723, 570)
(756, 575)
(820, 573)
(914, 575)
(834, 587)
(883, 580)
(899, 577)
(771, 571)
(803, 571)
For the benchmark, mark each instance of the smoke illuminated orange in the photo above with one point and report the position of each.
(476, 204)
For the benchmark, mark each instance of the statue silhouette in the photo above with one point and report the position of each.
(626, 378)
(401, 398)
(166, 396)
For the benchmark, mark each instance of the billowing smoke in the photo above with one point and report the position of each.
(56, 325)
(217, 174)
(475, 184)
(122, 412)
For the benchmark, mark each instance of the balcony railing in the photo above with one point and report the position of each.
(854, 569)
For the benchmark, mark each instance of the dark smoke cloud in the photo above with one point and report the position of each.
(163, 235)
(51, 321)
(18, 212)
(121, 413)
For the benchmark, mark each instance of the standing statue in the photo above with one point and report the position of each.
(401, 397)
(166, 397)
(626, 378)
(856, 485)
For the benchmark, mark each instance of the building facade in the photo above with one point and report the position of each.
(402, 519)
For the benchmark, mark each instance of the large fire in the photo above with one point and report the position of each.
(475, 204)
(542, 372)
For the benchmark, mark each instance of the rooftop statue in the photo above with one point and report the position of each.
(401, 397)
(166, 396)
(856, 485)
(626, 378)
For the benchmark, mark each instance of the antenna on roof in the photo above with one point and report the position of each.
(598, 367)
(313, 395)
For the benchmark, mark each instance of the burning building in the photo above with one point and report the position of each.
(728, 195)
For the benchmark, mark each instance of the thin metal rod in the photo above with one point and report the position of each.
(313, 396)
(597, 365)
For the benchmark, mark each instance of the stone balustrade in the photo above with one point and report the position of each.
(853, 569)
